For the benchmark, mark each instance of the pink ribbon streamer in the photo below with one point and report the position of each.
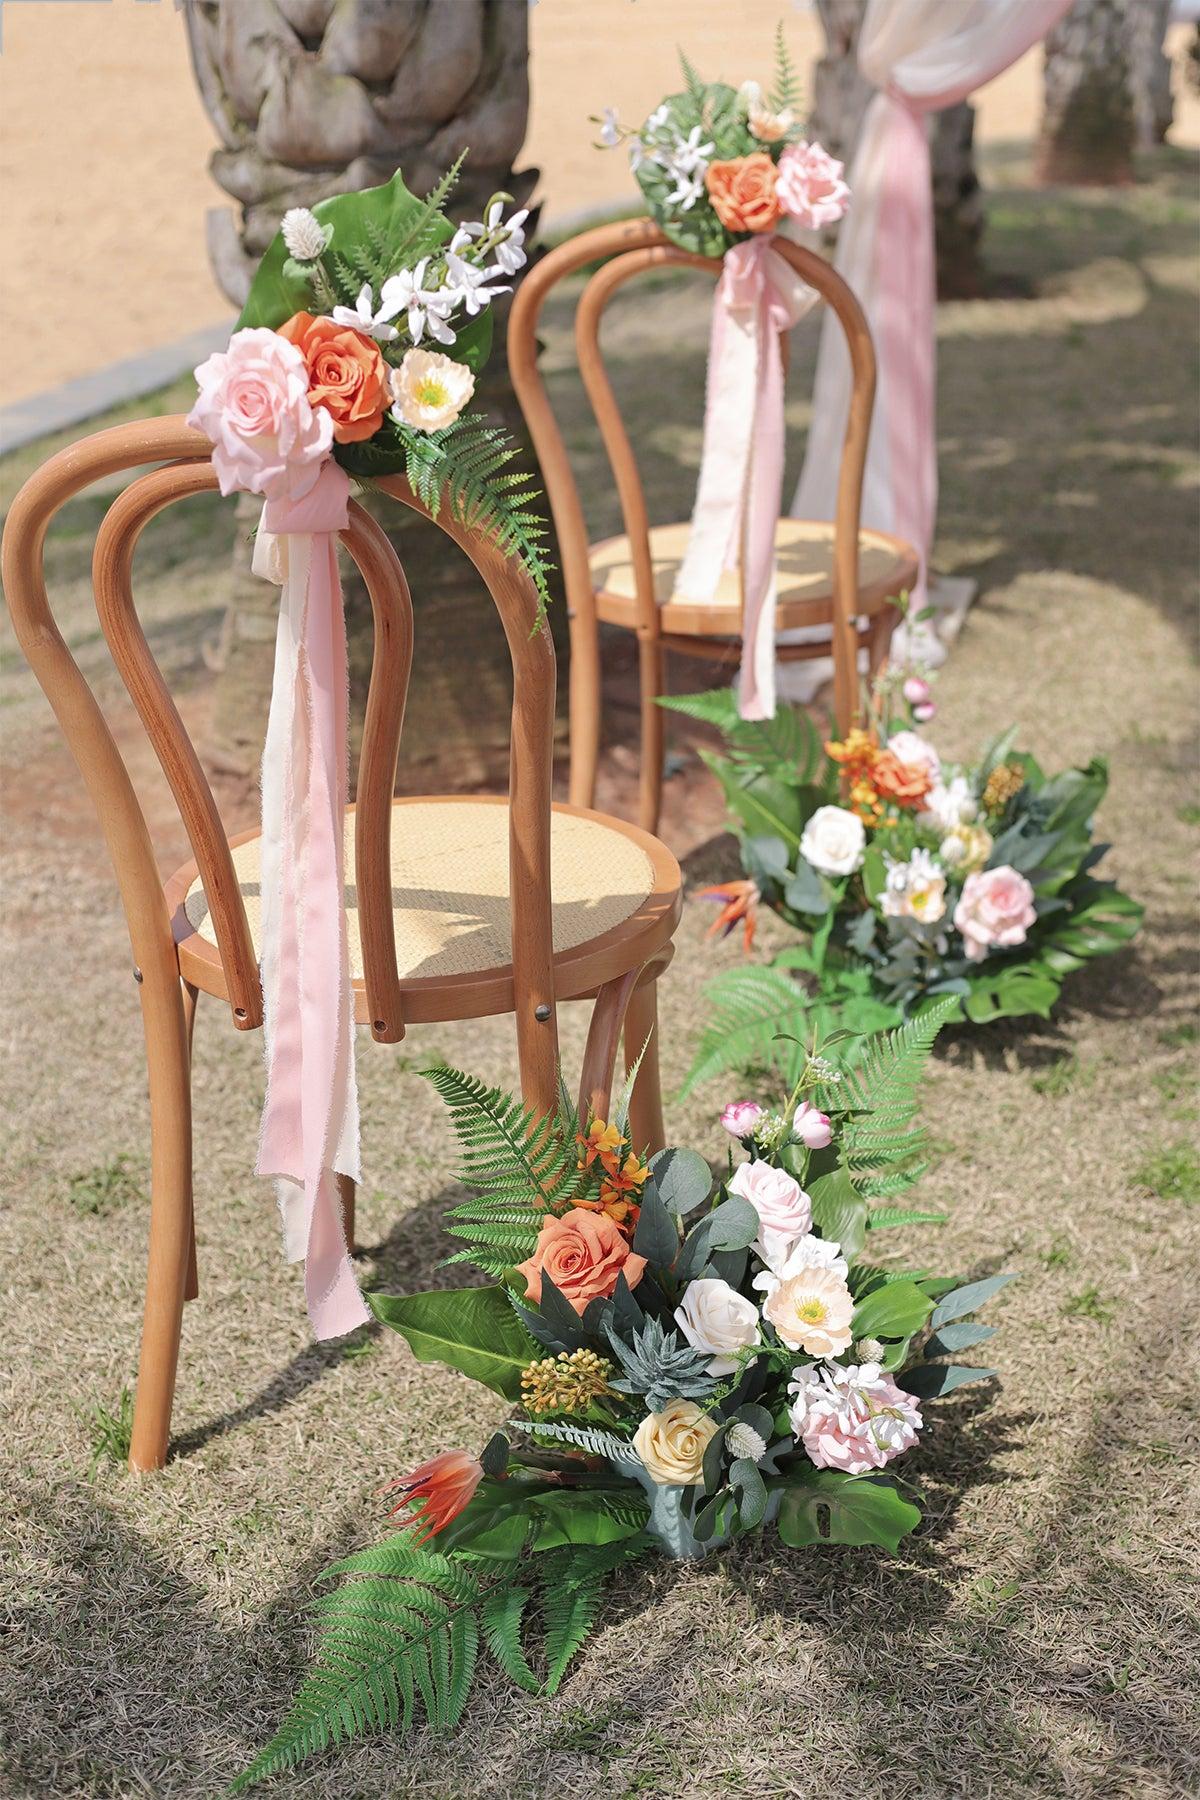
(310, 1120)
(741, 471)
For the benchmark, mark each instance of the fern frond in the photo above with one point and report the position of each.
(748, 1010)
(572, 1579)
(585, 1437)
(503, 1617)
(405, 1627)
(788, 741)
(692, 82)
(786, 92)
(888, 1216)
(412, 244)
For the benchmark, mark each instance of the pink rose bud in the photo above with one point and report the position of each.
(924, 712)
(811, 1127)
(740, 1117)
(916, 690)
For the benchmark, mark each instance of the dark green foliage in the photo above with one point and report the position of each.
(661, 1365)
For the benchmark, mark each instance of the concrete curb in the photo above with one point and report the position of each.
(27, 420)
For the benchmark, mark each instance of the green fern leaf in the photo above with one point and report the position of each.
(753, 1013)
(889, 1216)
(503, 1618)
(416, 240)
(786, 91)
(693, 83)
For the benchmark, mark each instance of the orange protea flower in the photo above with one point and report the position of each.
(905, 783)
(436, 1492)
(600, 1140)
(738, 900)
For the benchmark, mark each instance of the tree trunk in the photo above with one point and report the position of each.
(1087, 118)
(312, 98)
(840, 98)
(1150, 72)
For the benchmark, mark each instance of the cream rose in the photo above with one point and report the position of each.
(672, 1443)
(430, 390)
(784, 1209)
(834, 841)
(715, 1319)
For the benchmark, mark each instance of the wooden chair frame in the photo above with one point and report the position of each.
(624, 251)
(620, 971)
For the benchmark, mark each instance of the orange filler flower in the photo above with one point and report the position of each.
(738, 900)
(600, 1140)
(436, 1492)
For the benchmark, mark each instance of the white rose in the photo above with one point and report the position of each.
(834, 841)
(715, 1318)
(784, 1209)
(949, 804)
(912, 750)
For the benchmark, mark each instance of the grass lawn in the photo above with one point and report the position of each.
(1039, 1635)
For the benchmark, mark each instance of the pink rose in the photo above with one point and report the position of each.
(740, 1117)
(809, 186)
(253, 406)
(923, 712)
(811, 1126)
(784, 1209)
(994, 911)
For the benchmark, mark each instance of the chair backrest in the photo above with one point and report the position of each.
(188, 470)
(633, 248)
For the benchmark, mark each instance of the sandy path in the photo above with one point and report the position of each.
(104, 149)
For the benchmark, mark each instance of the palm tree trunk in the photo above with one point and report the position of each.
(1087, 117)
(312, 98)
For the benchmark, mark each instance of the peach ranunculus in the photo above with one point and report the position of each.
(253, 407)
(743, 192)
(905, 783)
(346, 374)
(583, 1253)
(810, 186)
(994, 911)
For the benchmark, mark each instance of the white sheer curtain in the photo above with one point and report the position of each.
(922, 55)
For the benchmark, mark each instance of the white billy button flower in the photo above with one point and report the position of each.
(304, 234)
(742, 1440)
(363, 316)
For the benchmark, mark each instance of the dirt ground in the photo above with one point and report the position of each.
(1039, 1635)
(104, 150)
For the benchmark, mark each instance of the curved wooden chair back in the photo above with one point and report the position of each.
(188, 470)
(634, 248)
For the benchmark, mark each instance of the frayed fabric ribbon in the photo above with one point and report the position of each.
(740, 489)
(310, 1120)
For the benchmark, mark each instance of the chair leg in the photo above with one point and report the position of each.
(584, 706)
(646, 1129)
(603, 1038)
(191, 1287)
(165, 1026)
(650, 673)
(346, 1192)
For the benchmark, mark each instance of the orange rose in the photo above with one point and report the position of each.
(743, 192)
(582, 1253)
(346, 374)
(905, 783)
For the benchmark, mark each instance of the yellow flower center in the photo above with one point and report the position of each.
(812, 1312)
(432, 392)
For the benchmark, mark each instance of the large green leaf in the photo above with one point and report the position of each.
(895, 1310)
(827, 1507)
(588, 1516)
(839, 1211)
(471, 1329)
(281, 285)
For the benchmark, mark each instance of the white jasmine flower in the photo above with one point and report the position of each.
(470, 282)
(742, 1440)
(510, 255)
(430, 390)
(428, 308)
(363, 317)
(304, 234)
(610, 128)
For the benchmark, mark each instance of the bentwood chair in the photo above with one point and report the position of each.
(835, 577)
(458, 908)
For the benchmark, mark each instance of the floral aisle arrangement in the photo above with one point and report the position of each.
(727, 173)
(912, 878)
(355, 357)
(689, 1360)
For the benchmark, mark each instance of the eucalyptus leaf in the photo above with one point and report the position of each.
(958, 1336)
(750, 1491)
(683, 1179)
(967, 1299)
(928, 1381)
(656, 1236)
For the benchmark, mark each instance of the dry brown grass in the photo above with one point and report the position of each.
(1039, 1635)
